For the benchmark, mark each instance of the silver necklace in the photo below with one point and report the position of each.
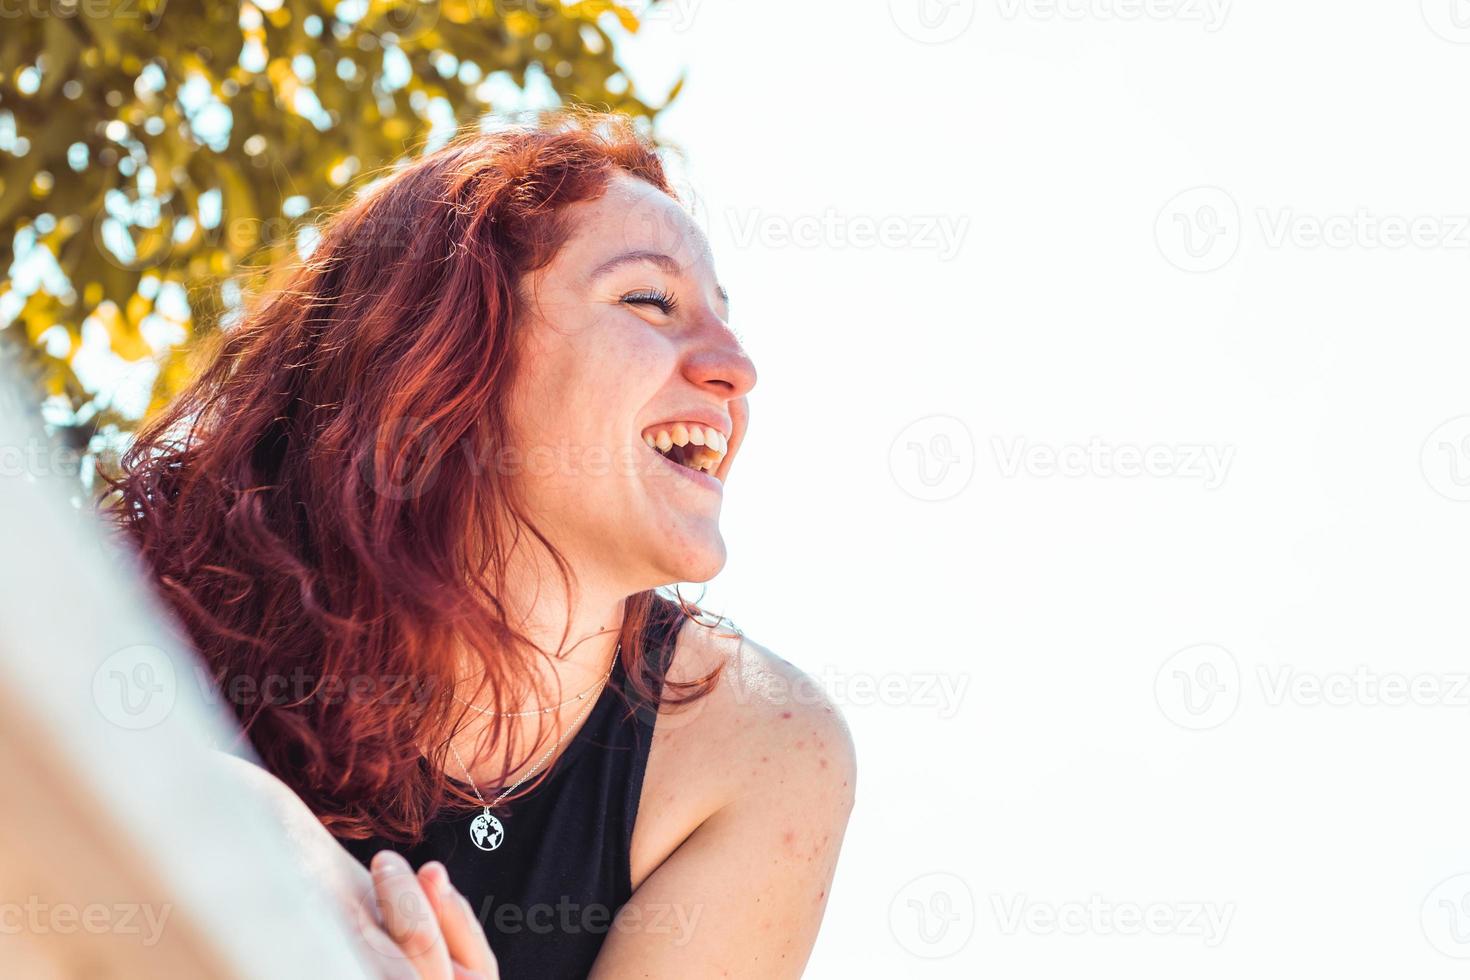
(481, 709)
(486, 831)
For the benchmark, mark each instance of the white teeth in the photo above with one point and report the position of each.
(703, 447)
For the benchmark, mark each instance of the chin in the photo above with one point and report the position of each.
(694, 561)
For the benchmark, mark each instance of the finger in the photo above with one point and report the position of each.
(408, 918)
(463, 933)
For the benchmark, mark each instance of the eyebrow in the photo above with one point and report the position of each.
(665, 262)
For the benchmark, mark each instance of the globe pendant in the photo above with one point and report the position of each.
(486, 831)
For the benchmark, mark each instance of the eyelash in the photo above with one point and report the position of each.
(654, 297)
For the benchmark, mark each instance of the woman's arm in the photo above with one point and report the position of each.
(744, 894)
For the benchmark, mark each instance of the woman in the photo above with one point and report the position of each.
(413, 514)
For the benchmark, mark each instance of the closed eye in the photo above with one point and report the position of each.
(652, 297)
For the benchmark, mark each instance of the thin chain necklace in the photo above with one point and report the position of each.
(481, 709)
(486, 830)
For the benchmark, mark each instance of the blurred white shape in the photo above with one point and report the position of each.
(124, 845)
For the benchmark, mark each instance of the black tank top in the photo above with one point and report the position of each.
(547, 892)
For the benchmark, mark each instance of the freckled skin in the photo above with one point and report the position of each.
(613, 365)
(776, 826)
(612, 368)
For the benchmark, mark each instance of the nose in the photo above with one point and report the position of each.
(717, 362)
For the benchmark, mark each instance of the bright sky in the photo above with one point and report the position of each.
(1028, 161)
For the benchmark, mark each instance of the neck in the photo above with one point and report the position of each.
(576, 640)
(576, 634)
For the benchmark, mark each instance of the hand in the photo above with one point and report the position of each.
(415, 927)
(419, 927)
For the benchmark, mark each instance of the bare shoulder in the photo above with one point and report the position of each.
(763, 702)
(766, 736)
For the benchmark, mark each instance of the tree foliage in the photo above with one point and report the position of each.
(154, 152)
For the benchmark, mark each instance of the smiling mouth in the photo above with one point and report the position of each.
(697, 447)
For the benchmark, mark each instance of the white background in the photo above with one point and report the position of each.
(1311, 347)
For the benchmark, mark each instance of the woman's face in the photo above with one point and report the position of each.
(625, 342)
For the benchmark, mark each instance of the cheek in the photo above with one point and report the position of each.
(591, 387)
(550, 393)
(642, 363)
(616, 379)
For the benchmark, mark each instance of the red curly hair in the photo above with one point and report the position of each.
(307, 505)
